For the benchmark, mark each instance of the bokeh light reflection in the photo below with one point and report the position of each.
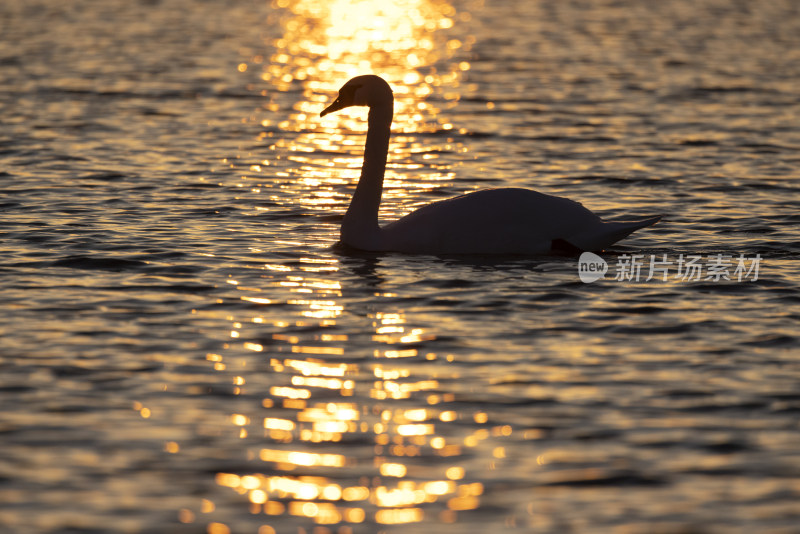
(323, 45)
(315, 452)
(320, 455)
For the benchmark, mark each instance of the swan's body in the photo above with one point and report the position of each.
(491, 221)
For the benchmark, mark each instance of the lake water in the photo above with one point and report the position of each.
(184, 349)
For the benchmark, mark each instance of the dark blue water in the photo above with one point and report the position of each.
(185, 350)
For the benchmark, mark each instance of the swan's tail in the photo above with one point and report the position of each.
(608, 233)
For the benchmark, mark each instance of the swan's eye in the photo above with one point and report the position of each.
(348, 94)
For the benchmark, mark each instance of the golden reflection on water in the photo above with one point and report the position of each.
(327, 42)
(328, 455)
(315, 408)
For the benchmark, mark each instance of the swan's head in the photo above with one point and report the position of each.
(367, 90)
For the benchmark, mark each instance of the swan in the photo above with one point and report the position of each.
(490, 221)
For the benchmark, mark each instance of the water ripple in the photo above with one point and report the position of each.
(187, 349)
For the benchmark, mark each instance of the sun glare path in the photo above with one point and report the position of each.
(324, 44)
(296, 435)
(385, 474)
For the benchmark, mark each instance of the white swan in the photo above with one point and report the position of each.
(491, 221)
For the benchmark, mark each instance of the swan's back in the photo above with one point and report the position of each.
(492, 221)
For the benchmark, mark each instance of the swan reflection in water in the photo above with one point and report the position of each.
(490, 221)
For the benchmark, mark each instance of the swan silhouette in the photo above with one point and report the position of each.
(490, 221)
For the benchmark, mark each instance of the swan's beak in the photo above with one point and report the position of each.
(338, 104)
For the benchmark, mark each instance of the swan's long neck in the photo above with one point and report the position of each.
(360, 224)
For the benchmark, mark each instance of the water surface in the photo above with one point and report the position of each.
(184, 349)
